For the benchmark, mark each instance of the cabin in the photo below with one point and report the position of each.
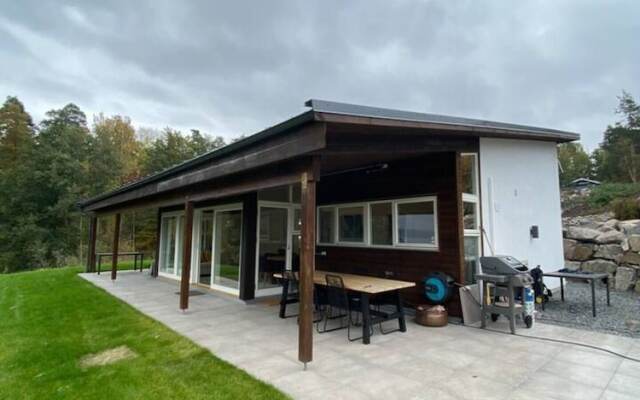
(353, 189)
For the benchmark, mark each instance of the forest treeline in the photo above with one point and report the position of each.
(46, 168)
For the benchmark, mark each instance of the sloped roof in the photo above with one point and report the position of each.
(319, 108)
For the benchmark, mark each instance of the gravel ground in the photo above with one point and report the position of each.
(622, 317)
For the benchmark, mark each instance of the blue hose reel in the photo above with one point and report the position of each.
(438, 287)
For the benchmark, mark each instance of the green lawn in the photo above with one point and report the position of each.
(50, 319)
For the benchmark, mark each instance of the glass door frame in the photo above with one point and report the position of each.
(177, 251)
(291, 208)
(195, 252)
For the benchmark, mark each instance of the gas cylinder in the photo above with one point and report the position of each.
(528, 306)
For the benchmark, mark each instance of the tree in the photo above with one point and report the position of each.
(172, 148)
(16, 133)
(618, 158)
(61, 176)
(574, 162)
(115, 153)
(20, 235)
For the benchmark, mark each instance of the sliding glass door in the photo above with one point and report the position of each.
(171, 236)
(205, 244)
(278, 243)
(218, 248)
(227, 246)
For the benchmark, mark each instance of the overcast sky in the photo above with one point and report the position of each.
(231, 68)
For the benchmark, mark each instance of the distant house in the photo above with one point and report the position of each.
(583, 183)
(352, 189)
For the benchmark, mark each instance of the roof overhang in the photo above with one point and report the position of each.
(272, 145)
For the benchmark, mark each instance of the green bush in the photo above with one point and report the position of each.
(626, 209)
(606, 193)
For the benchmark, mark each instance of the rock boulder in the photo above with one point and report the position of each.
(634, 242)
(583, 234)
(582, 252)
(630, 227)
(599, 266)
(572, 265)
(611, 236)
(611, 252)
(569, 246)
(626, 278)
(631, 257)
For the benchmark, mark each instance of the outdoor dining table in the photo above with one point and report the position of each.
(366, 287)
(589, 277)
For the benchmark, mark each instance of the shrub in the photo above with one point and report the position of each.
(606, 193)
(626, 209)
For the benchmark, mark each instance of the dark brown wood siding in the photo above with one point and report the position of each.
(433, 174)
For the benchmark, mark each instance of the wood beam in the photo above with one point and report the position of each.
(116, 242)
(91, 253)
(460, 211)
(186, 256)
(297, 143)
(307, 262)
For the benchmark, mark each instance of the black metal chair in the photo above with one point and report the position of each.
(384, 300)
(339, 306)
(290, 292)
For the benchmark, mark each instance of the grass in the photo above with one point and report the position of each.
(50, 319)
(122, 265)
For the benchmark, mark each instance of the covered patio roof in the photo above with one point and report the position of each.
(306, 134)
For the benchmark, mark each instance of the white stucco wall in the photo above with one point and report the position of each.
(520, 188)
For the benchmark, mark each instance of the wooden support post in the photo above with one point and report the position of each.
(116, 242)
(156, 261)
(186, 256)
(307, 264)
(91, 253)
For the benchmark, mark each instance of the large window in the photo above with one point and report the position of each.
(351, 224)
(416, 222)
(381, 217)
(399, 223)
(471, 214)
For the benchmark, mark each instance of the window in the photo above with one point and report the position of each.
(351, 224)
(416, 222)
(403, 223)
(471, 214)
(381, 224)
(326, 221)
(470, 217)
(471, 252)
(470, 173)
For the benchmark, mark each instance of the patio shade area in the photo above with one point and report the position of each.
(454, 362)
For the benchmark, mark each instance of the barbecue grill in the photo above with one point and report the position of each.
(505, 283)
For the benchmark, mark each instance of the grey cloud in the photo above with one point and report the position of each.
(231, 68)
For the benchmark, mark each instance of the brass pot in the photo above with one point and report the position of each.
(431, 316)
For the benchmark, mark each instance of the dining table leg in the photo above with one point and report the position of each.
(366, 318)
(400, 310)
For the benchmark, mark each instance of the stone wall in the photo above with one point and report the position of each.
(600, 243)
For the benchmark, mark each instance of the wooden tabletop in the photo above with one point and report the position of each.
(361, 283)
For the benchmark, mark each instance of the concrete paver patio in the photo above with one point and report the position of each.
(454, 362)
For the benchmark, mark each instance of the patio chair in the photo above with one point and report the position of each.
(339, 306)
(290, 293)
